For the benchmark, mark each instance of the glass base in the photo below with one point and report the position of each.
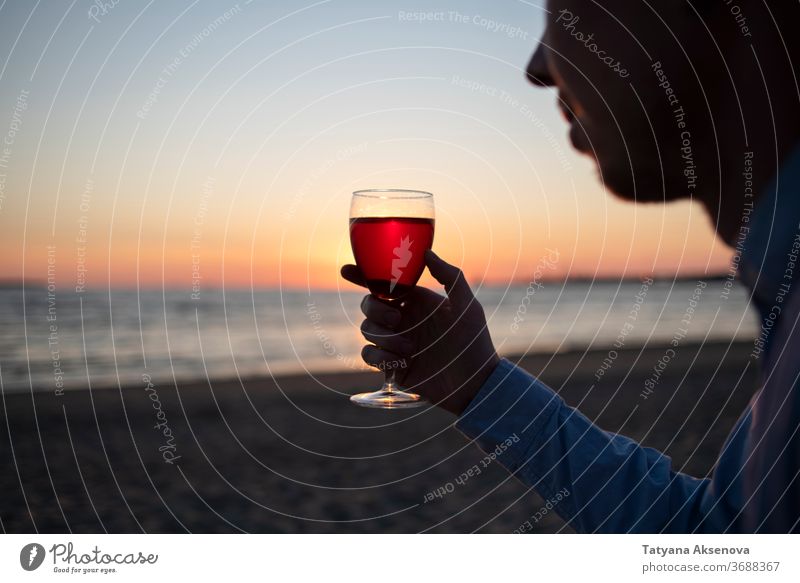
(391, 399)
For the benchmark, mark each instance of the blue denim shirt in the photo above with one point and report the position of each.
(616, 484)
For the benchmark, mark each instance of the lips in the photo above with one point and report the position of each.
(576, 133)
(566, 108)
(576, 137)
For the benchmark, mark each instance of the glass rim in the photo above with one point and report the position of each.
(392, 193)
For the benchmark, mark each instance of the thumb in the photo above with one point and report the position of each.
(353, 274)
(451, 277)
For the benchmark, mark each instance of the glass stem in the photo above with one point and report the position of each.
(389, 384)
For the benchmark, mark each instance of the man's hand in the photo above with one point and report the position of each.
(443, 341)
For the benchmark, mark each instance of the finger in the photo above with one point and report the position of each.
(451, 277)
(353, 274)
(380, 312)
(386, 338)
(382, 359)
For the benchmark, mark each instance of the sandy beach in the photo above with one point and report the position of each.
(291, 454)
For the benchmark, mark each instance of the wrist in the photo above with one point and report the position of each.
(462, 397)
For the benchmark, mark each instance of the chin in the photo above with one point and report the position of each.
(644, 185)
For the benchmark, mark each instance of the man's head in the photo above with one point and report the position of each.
(669, 97)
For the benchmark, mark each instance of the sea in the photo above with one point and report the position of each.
(56, 341)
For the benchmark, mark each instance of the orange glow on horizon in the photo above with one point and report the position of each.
(238, 269)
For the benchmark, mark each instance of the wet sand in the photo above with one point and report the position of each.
(291, 454)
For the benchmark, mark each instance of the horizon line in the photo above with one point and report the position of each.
(12, 283)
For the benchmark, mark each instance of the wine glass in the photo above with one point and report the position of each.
(390, 230)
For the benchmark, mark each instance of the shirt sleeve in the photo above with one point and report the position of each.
(598, 481)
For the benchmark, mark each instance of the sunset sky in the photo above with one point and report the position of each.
(154, 142)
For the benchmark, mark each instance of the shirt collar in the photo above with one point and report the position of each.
(770, 251)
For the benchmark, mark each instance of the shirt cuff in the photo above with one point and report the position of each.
(508, 414)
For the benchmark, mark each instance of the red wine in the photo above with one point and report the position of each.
(390, 251)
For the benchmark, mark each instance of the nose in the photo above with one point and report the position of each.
(537, 71)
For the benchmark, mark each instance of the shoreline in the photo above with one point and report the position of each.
(583, 364)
